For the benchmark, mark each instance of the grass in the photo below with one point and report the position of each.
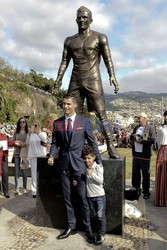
(127, 152)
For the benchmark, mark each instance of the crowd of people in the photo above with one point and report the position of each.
(28, 143)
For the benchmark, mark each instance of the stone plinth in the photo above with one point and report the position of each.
(51, 210)
(114, 184)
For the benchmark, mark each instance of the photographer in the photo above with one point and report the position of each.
(142, 139)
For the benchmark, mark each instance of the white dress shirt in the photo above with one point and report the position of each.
(72, 120)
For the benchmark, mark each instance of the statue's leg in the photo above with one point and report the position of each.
(79, 96)
(106, 130)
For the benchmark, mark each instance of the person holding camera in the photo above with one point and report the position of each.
(142, 138)
(36, 143)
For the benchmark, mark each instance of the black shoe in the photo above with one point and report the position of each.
(90, 237)
(146, 196)
(34, 196)
(7, 195)
(99, 240)
(67, 232)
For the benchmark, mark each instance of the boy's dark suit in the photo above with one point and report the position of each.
(71, 165)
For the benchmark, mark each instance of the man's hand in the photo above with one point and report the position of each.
(74, 183)
(114, 82)
(50, 161)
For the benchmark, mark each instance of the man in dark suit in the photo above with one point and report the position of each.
(68, 139)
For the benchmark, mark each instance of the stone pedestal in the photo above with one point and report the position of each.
(114, 185)
(51, 210)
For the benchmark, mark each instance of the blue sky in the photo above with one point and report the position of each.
(32, 33)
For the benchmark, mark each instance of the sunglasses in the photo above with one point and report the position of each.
(22, 122)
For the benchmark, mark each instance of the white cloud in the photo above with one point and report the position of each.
(32, 34)
(152, 80)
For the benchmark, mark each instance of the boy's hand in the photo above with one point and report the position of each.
(89, 171)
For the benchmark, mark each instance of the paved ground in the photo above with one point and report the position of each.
(18, 229)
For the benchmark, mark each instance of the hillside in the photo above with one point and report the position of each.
(131, 103)
(28, 100)
(28, 94)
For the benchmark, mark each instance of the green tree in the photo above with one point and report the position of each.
(2, 96)
(59, 96)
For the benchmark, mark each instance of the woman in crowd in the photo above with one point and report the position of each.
(36, 142)
(161, 166)
(20, 135)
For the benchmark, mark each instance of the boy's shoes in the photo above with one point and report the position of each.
(17, 192)
(90, 237)
(25, 192)
(99, 239)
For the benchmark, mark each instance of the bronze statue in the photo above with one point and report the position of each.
(86, 48)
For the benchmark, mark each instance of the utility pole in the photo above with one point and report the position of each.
(162, 109)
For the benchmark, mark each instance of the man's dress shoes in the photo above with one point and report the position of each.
(67, 232)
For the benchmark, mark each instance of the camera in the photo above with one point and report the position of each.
(137, 138)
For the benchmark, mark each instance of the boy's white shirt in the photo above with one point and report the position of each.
(94, 183)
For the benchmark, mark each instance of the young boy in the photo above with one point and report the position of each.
(95, 193)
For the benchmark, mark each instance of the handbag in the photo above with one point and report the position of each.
(132, 194)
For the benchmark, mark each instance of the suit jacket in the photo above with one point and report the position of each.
(71, 151)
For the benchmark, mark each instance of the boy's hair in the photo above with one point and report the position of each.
(88, 150)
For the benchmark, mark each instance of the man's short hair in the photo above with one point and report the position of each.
(70, 96)
(84, 9)
(88, 150)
